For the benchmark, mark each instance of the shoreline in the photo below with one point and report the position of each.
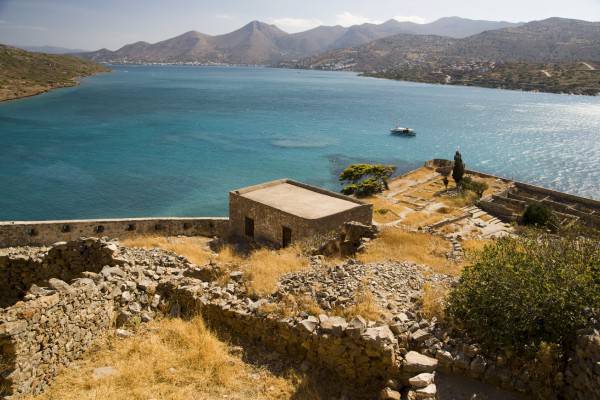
(76, 81)
(523, 90)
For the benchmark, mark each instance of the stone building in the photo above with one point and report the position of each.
(283, 211)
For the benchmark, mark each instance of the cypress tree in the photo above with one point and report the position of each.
(459, 169)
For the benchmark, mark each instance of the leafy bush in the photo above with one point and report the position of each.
(537, 214)
(521, 292)
(474, 186)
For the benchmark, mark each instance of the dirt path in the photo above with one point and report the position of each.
(453, 387)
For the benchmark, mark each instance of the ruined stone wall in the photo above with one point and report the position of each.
(583, 369)
(48, 232)
(350, 351)
(63, 261)
(41, 336)
(55, 322)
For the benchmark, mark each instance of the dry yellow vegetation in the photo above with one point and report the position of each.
(172, 359)
(434, 296)
(262, 268)
(364, 305)
(421, 248)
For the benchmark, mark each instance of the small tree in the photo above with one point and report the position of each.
(366, 179)
(474, 186)
(459, 170)
(537, 214)
(445, 180)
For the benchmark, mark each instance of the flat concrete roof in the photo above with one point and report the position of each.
(298, 200)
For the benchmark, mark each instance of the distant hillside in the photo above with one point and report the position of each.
(456, 27)
(51, 49)
(260, 43)
(554, 39)
(551, 40)
(23, 73)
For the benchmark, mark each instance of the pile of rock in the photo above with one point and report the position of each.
(395, 286)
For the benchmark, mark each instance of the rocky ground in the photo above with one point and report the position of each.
(395, 286)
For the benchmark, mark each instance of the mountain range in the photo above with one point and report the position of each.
(261, 43)
(552, 40)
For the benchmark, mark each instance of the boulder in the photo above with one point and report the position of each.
(420, 381)
(389, 394)
(334, 325)
(310, 324)
(426, 393)
(417, 362)
(380, 334)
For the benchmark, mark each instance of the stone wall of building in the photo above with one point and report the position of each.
(44, 233)
(269, 221)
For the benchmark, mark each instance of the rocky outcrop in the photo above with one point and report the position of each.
(583, 368)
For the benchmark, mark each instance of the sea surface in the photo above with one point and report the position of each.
(173, 140)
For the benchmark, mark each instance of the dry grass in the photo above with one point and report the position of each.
(264, 267)
(420, 248)
(385, 210)
(175, 360)
(364, 305)
(418, 219)
(467, 198)
(434, 296)
(193, 248)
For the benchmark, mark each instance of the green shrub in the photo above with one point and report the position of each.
(521, 292)
(368, 187)
(474, 186)
(350, 189)
(537, 214)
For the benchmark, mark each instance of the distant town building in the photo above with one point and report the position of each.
(284, 211)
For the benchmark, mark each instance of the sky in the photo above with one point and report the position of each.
(90, 25)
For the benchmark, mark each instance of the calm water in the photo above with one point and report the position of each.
(172, 141)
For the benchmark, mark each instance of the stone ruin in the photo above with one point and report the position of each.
(56, 302)
(46, 322)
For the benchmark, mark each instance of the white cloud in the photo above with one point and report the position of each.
(412, 18)
(347, 19)
(296, 24)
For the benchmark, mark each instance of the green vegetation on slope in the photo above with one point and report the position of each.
(572, 78)
(23, 73)
(523, 292)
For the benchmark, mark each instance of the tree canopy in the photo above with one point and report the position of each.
(366, 179)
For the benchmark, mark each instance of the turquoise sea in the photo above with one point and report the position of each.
(173, 140)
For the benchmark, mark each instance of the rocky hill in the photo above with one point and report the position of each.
(550, 40)
(23, 73)
(261, 43)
